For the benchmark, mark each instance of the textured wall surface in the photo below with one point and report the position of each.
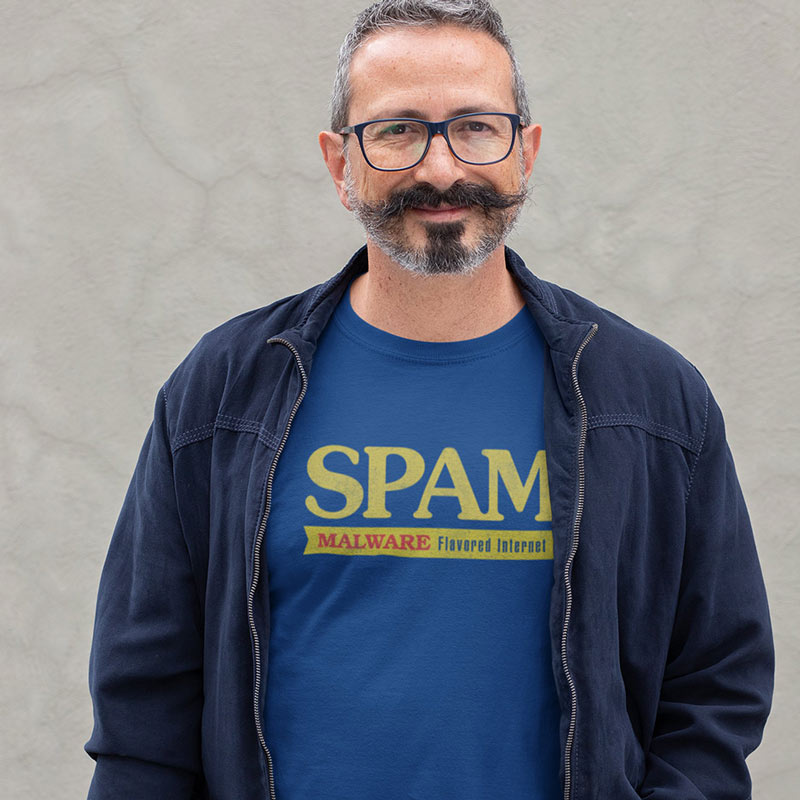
(159, 173)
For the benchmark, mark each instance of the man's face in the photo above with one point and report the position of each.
(442, 216)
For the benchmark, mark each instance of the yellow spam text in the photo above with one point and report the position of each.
(424, 482)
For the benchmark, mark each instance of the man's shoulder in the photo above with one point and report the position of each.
(616, 346)
(236, 337)
(226, 370)
(629, 375)
(620, 336)
(243, 337)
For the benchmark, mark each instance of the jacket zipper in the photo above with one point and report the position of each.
(576, 526)
(257, 566)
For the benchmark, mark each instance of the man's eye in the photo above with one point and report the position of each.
(473, 128)
(396, 129)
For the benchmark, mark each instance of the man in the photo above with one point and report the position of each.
(436, 528)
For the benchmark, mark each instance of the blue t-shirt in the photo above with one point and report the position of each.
(410, 557)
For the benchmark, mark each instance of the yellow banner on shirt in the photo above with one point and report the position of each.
(430, 542)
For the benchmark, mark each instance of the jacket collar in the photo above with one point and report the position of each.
(562, 333)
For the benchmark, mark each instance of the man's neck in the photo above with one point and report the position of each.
(439, 308)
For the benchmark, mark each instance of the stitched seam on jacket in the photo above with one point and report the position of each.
(702, 444)
(172, 450)
(164, 395)
(225, 422)
(247, 426)
(655, 428)
(193, 435)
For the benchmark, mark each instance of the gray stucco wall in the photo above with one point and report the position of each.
(159, 173)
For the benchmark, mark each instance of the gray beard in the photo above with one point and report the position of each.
(444, 253)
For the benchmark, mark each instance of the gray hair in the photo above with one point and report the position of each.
(477, 15)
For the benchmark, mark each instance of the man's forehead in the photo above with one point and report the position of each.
(411, 65)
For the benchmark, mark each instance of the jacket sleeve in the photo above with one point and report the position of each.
(717, 684)
(146, 660)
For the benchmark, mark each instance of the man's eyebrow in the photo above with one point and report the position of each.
(472, 110)
(415, 113)
(399, 114)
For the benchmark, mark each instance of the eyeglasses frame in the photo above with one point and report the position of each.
(433, 129)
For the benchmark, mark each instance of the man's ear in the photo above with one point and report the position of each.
(332, 146)
(531, 138)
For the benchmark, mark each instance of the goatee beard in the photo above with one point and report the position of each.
(444, 252)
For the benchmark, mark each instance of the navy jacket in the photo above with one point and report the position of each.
(662, 648)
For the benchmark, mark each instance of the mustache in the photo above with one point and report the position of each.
(458, 195)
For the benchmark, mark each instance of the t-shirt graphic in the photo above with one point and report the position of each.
(409, 558)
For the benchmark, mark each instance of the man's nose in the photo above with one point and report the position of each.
(440, 167)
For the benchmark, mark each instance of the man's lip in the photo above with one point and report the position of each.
(443, 212)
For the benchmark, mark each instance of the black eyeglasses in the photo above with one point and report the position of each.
(391, 145)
